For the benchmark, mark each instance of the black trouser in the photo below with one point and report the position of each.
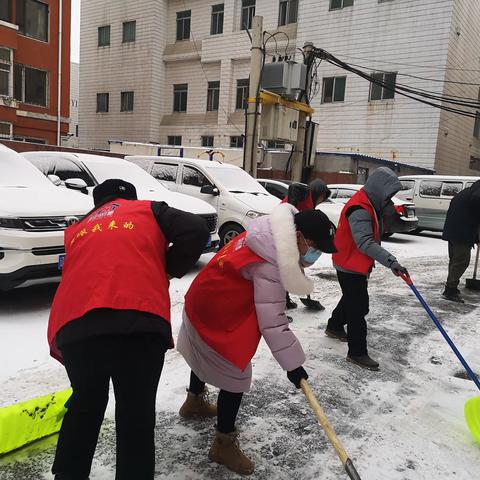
(134, 363)
(351, 311)
(459, 260)
(228, 404)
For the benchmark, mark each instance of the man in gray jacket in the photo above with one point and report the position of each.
(358, 243)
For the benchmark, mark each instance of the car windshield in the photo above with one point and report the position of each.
(124, 171)
(16, 171)
(236, 180)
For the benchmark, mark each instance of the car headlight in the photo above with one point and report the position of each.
(253, 214)
(15, 223)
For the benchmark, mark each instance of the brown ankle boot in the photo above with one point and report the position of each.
(225, 450)
(198, 406)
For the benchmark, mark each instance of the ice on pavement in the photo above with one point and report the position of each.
(404, 422)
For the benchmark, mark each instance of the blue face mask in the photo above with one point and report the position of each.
(311, 256)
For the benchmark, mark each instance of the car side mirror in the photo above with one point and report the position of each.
(76, 184)
(209, 190)
(55, 179)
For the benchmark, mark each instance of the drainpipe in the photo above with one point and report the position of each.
(59, 77)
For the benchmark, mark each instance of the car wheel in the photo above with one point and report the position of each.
(229, 232)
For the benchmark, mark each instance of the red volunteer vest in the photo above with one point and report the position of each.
(307, 204)
(220, 304)
(348, 256)
(115, 258)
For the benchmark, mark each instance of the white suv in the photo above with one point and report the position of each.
(235, 195)
(83, 172)
(33, 215)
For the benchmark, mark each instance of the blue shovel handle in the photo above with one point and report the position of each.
(470, 372)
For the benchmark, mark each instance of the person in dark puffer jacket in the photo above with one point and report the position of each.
(461, 230)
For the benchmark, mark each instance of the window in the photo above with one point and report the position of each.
(5, 130)
(242, 93)
(6, 10)
(129, 31)
(216, 24)
(165, 172)
(32, 19)
(450, 189)
(337, 4)
(104, 36)
(248, 12)
(207, 141)
(180, 96)
(5, 71)
(288, 12)
(275, 144)
(175, 140)
(430, 188)
(126, 102)
(474, 165)
(345, 194)
(236, 142)
(66, 169)
(30, 85)
(183, 24)
(334, 89)
(102, 102)
(213, 96)
(191, 176)
(385, 92)
(40, 141)
(76, 130)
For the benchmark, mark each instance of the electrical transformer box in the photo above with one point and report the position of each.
(279, 123)
(286, 79)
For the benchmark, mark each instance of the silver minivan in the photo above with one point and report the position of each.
(431, 195)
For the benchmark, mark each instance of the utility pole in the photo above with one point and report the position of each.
(251, 140)
(299, 153)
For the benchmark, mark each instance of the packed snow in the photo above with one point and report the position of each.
(404, 422)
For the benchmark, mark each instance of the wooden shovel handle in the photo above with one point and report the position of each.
(324, 422)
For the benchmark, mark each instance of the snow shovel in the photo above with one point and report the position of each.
(327, 427)
(472, 407)
(25, 422)
(474, 283)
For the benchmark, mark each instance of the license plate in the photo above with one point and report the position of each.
(61, 261)
(209, 243)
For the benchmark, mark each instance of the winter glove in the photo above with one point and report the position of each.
(295, 376)
(397, 269)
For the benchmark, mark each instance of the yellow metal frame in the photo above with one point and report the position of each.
(269, 98)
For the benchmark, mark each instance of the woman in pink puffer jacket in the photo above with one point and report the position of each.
(238, 298)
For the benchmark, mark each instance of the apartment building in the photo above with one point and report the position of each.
(176, 72)
(33, 35)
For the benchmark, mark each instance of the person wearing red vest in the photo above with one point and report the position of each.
(110, 319)
(234, 301)
(307, 197)
(358, 243)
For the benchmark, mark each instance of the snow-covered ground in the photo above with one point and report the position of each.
(404, 422)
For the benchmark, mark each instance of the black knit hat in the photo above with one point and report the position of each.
(112, 189)
(316, 226)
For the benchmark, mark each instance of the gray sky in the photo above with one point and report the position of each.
(75, 41)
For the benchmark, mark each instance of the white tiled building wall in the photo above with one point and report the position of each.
(405, 36)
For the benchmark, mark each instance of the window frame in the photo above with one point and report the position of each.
(125, 101)
(22, 27)
(335, 79)
(159, 165)
(373, 86)
(420, 194)
(9, 72)
(182, 25)
(125, 25)
(9, 18)
(287, 13)
(235, 143)
(344, 4)
(247, 12)
(24, 85)
(180, 97)
(198, 172)
(107, 103)
(217, 19)
(10, 134)
(444, 183)
(106, 28)
(213, 96)
(242, 93)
